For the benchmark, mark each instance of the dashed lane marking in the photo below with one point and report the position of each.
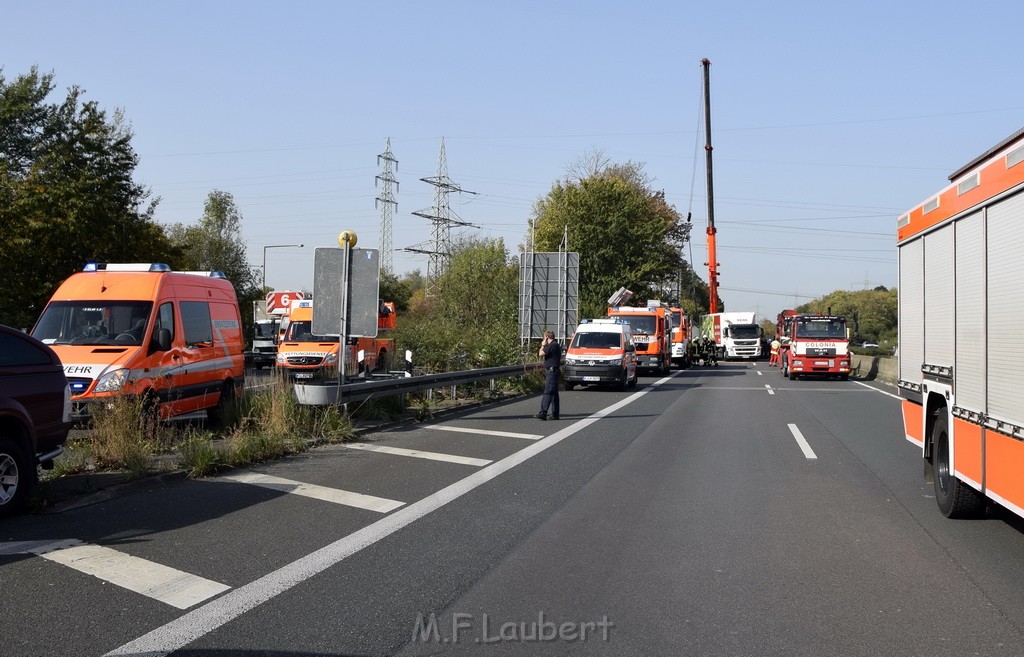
(800, 440)
(335, 495)
(415, 453)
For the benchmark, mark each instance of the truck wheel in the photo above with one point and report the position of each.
(955, 498)
(844, 377)
(16, 476)
(792, 375)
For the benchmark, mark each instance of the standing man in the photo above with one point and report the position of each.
(774, 360)
(551, 352)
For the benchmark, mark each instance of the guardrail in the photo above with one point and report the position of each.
(328, 393)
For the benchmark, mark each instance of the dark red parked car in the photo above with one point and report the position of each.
(35, 414)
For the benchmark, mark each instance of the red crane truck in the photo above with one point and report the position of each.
(961, 291)
(813, 344)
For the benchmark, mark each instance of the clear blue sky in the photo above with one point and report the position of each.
(829, 118)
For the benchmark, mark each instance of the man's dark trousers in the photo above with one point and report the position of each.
(550, 398)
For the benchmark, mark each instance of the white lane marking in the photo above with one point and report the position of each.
(168, 585)
(759, 373)
(415, 453)
(336, 495)
(200, 621)
(769, 387)
(877, 390)
(485, 432)
(800, 440)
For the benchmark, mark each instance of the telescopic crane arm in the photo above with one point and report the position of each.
(712, 262)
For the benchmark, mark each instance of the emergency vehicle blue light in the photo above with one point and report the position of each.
(89, 266)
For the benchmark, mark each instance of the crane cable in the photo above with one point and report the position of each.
(693, 182)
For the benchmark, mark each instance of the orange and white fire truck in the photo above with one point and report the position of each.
(680, 337)
(961, 288)
(652, 331)
(813, 344)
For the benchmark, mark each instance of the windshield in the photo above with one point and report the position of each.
(266, 330)
(94, 322)
(303, 332)
(597, 341)
(677, 318)
(641, 324)
(744, 331)
(812, 327)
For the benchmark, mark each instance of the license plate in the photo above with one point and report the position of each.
(821, 363)
(304, 375)
(591, 378)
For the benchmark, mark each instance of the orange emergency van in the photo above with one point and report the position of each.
(308, 357)
(172, 338)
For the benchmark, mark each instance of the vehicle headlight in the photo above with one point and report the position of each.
(112, 381)
(331, 359)
(570, 361)
(282, 359)
(615, 361)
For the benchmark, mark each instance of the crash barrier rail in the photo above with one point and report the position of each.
(328, 393)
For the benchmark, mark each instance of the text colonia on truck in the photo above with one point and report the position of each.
(961, 291)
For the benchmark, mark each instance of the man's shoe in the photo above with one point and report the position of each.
(554, 417)
(541, 416)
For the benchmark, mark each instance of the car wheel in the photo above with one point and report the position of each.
(955, 498)
(569, 386)
(16, 476)
(632, 382)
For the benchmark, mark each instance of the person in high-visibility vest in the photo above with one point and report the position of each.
(773, 359)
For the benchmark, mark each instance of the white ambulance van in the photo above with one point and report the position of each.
(601, 352)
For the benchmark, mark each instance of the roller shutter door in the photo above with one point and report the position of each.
(939, 297)
(1005, 233)
(969, 369)
(911, 305)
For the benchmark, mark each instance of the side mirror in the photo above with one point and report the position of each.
(163, 339)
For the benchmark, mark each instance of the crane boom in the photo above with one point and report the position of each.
(712, 262)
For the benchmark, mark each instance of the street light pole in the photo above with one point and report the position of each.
(274, 246)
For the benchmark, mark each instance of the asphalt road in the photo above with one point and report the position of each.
(718, 511)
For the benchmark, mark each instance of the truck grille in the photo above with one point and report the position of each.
(305, 360)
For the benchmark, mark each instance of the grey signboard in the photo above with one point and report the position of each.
(548, 294)
(329, 279)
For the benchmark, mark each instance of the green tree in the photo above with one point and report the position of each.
(470, 319)
(625, 232)
(871, 314)
(66, 193)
